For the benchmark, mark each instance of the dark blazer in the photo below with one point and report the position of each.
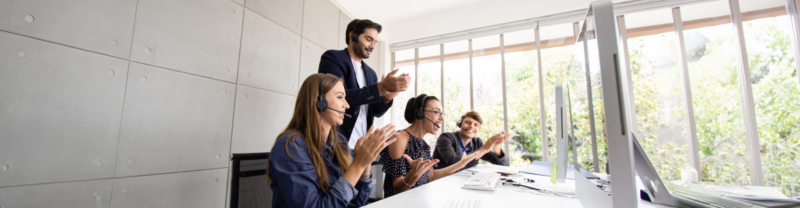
(338, 62)
(448, 151)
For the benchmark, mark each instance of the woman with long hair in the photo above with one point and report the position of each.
(408, 163)
(310, 164)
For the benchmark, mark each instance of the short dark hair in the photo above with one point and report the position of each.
(357, 26)
(413, 106)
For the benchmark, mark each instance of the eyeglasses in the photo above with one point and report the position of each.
(438, 113)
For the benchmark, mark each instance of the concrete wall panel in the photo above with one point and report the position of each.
(60, 111)
(174, 122)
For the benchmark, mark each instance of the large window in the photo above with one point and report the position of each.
(430, 70)
(487, 84)
(775, 91)
(473, 80)
(657, 89)
(404, 60)
(561, 64)
(522, 94)
(456, 83)
(578, 103)
(715, 93)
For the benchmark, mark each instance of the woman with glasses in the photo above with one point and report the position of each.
(451, 147)
(407, 162)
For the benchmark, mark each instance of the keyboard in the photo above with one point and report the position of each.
(482, 181)
(463, 203)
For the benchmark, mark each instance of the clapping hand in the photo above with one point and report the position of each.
(497, 139)
(393, 83)
(370, 145)
(391, 87)
(418, 168)
(467, 158)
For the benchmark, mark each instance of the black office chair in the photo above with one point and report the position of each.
(249, 181)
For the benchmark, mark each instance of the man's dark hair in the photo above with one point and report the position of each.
(357, 26)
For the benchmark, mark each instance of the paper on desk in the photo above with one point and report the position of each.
(765, 199)
(760, 195)
(568, 187)
(751, 191)
(771, 192)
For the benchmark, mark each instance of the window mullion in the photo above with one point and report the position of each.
(542, 112)
(693, 154)
(748, 106)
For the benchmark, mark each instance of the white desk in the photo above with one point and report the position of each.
(435, 194)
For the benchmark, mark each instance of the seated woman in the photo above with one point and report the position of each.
(415, 168)
(452, 146)
(310, 164)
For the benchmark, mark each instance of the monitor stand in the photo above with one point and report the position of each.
(589, 193)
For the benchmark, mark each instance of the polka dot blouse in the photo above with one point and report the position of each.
(415, 149)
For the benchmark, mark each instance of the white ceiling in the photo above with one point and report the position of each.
(413, 19)
(389, 11)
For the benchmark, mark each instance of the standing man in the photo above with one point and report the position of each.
(367, 97)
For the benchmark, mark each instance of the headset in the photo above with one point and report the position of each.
(354, 35)
(458, 123)
(421, 113)
(322, 104)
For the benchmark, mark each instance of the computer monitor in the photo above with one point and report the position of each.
(561, 134)
(599, 36)
(565, 133)
(571, 125)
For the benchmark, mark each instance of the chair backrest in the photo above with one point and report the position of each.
(249, 186)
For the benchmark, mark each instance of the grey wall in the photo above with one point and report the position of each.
(137, 103)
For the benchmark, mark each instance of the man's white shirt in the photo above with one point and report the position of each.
(360, 128)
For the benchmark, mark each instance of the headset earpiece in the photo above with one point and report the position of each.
(421, 113)
(354, 36)
(322, 104)
(458, 123)
(353, 33)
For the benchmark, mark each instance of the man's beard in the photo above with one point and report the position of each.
(361, 51)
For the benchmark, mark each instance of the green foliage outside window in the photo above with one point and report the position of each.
(718, 111)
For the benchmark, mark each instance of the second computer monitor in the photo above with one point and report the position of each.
(599, 34)
(561, 134)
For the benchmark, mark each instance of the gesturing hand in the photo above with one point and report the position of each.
(466, 158)
(370, 145)
(418, 167)
(497, 139)
(390, 83)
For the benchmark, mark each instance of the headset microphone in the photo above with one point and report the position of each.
(421, 112)
(434, 123)
(322, 104)
(365, 47)
(348, 115)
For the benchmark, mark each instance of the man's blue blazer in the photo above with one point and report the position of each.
(338, 62)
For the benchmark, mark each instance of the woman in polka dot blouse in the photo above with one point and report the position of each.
(408, 162)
